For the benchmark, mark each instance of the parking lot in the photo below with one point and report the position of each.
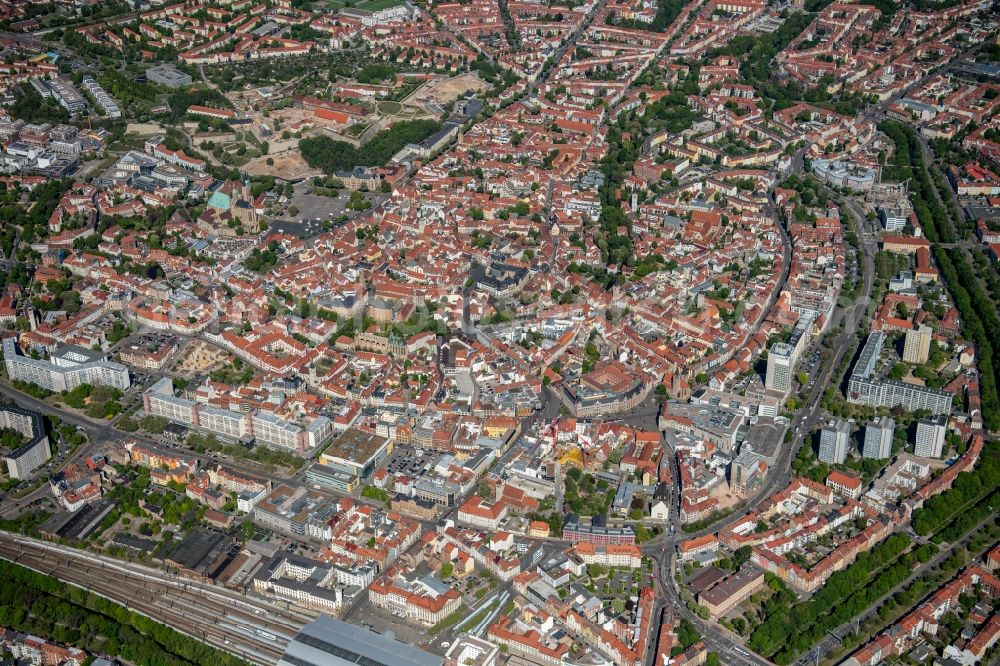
(384, 621)
(314, 206)
(406, 461)
(315, 210)
(473, 587)
(296, 546)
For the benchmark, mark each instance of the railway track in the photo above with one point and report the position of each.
(252, 630)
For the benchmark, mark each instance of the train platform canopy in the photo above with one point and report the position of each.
(329, 642)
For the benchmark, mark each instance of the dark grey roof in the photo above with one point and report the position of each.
(82, 354)
(37, 428)
(329, 642)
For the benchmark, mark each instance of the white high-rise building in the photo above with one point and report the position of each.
(833, 442)
(930, 436)
(878, 438)
(780, 360)
(917, 345)
(22, 462)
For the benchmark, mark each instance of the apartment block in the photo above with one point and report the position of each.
(917, 345)
(259, 425)
(878, 438)
(931, 436)
(23, 461)
(865, 389)
(66, 369)
(834, 441)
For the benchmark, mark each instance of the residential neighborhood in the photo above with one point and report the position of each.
(617, 332)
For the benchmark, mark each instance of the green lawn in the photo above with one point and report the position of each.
(389, 108)
(375, 5)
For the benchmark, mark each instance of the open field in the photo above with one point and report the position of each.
(446, 89)
(389, 108)
(289, 166)
(144, 129)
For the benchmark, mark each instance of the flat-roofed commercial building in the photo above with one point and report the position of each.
(169, 76)
(295, 510)
(328, 477)
(716, 423)
(729, 593)
(357, 452)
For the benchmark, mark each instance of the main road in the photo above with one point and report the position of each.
(99, 434)
(717, 638)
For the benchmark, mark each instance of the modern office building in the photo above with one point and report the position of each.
(294, 510)
(746, 474)
(66, 368)
(325, 476)
(865, 389)
(779, 367)
(893, 219)
(878, 438)
(64, 92)
(329, 642)
(917, 345)
(23, 461)
(930, 437)
(845, 174)
(834, 440)
(168, 75)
